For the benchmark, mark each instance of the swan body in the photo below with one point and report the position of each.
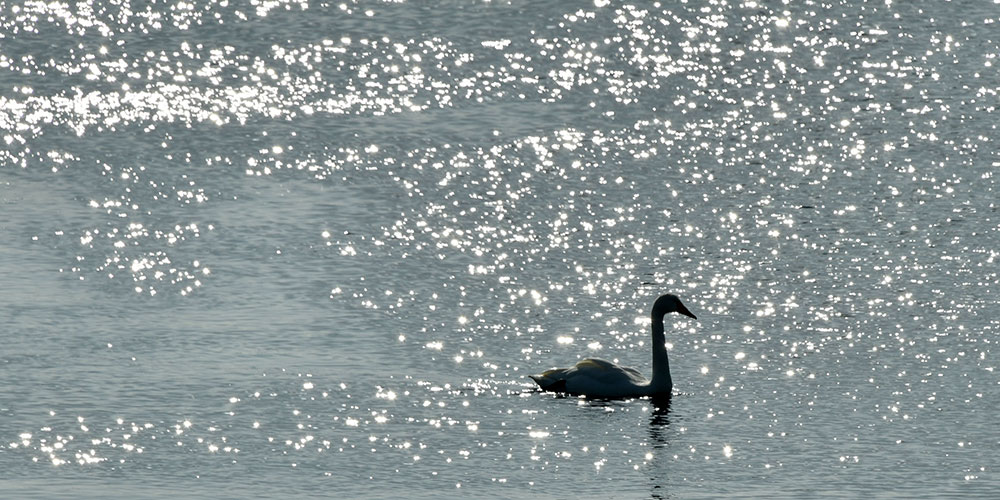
(597, 378)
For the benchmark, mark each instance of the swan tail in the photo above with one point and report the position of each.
(546, 383)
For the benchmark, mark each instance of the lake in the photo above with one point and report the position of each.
(307, 249)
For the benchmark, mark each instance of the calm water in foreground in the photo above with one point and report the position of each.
(303, 249)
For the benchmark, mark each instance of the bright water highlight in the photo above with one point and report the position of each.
(297, 249)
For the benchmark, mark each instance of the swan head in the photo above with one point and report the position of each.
(670, 303)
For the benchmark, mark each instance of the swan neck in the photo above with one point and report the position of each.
(660, 380)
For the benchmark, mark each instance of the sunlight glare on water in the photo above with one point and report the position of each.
(320, 246)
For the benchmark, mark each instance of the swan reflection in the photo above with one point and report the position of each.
(659, 427)
(659, 422)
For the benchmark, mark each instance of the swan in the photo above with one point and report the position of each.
(597, 378)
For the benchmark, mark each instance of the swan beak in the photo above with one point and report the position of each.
(683, 310)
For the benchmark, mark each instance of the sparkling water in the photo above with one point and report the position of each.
(295, 249)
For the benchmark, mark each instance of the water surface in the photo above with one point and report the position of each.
(298, 248)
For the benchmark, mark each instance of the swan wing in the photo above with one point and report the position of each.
(606, 372)
(593, 377)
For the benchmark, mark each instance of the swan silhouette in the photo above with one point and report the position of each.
(597, 378)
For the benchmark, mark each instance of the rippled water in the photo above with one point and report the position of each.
(294, 248)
